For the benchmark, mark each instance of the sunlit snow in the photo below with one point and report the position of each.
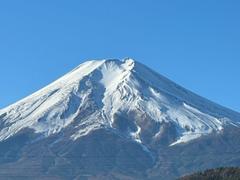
(107, 87)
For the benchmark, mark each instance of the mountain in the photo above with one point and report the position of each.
(115, 119)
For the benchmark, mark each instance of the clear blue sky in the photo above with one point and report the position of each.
(195, 43)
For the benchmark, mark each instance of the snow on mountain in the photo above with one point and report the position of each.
(96, 91)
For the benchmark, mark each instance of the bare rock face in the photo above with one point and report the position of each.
(113, 119)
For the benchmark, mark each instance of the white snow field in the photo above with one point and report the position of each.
(110, 87)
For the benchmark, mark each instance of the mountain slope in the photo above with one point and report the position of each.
(108, 104)
(109, 87)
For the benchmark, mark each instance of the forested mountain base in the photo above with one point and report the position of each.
(216, 174)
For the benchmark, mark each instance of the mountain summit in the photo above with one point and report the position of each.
(106, 89)
(117, 99)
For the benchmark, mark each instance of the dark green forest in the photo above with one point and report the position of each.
(216, 174)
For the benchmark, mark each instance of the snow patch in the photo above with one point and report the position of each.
(89, 96)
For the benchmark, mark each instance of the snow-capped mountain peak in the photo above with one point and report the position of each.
(98, 94)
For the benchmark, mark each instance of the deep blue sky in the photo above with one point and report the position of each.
(195, 43)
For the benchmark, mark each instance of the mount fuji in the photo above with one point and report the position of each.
(115, 119)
